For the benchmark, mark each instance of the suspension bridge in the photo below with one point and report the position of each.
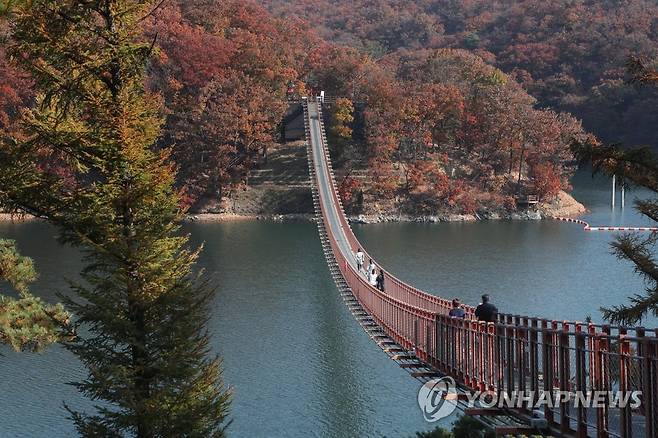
(515, 354)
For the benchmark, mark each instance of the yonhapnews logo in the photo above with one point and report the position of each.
(438, 399)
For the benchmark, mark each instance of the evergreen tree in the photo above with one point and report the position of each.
(638, 166)
(86, 163)
(26, 323)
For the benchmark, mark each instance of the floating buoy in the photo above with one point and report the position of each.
(588, 227)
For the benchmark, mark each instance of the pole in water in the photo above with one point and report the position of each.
(614, 189)
(623, 195)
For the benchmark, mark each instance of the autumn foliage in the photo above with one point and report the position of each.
(440, 104)
(570, 55)
(15, 85)
(442, 130)
(222, 71)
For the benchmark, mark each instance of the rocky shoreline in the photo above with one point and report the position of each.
(231, 217)
(532, 215)
(564, 206)
(370, 219)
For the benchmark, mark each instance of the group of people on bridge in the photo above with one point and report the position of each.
(485, 311)
(375, 278)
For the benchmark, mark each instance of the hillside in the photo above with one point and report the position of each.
(569, 55)
(441, 106)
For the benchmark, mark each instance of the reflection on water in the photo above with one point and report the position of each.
(298, 363)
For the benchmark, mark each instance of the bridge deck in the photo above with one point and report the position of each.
(324, 184)
(518, 353)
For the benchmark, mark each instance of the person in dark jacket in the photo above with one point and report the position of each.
(457, 311)
(486, 311)
(380, 280)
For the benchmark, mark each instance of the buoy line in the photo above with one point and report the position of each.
(588, 227)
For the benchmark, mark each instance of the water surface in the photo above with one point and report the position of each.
(298, 363)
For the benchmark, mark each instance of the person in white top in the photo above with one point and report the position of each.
(372, 277)
(371, 267)
(359, 259)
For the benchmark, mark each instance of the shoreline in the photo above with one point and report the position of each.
(373, 219)
(564, 206)
(16, 218)
(359, 219)
(353, 219)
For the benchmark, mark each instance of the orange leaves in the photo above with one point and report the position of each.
(343, 116)
(15, 89)
(423, 175)
(384, 181)
(223, 71)
(546, 181)
(348, 189)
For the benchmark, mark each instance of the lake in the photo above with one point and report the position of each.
(298, 363)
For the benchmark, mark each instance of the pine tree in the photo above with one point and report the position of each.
(86, 162)
(26, 323)
(638, 166)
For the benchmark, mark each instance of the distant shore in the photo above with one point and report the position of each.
(367, 219)
(362, 219)
(8, 217)
(564, 206)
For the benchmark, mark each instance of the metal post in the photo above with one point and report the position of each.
(440, 342)
(565, 377)
(428, 344)
(522, 351)
(534, 359)
(646, 351)
(614, 189)
(415, 328)
(581, 383)
(547, 362)
(624, 383)
(490, 339)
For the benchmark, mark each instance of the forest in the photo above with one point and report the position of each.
(441, 105)
(570, 55)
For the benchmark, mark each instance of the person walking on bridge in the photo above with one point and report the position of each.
(372, 275)
(457, 311)
(359, 259)
(380, 280)
(486, 311)
(371, 268)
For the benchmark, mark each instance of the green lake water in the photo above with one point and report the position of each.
(298, 363)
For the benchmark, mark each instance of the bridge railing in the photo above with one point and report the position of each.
(411, 327)
(409, 294)
(578, 361)
(518, 353)
(394, 287)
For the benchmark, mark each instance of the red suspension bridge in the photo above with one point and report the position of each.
(515, 354)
